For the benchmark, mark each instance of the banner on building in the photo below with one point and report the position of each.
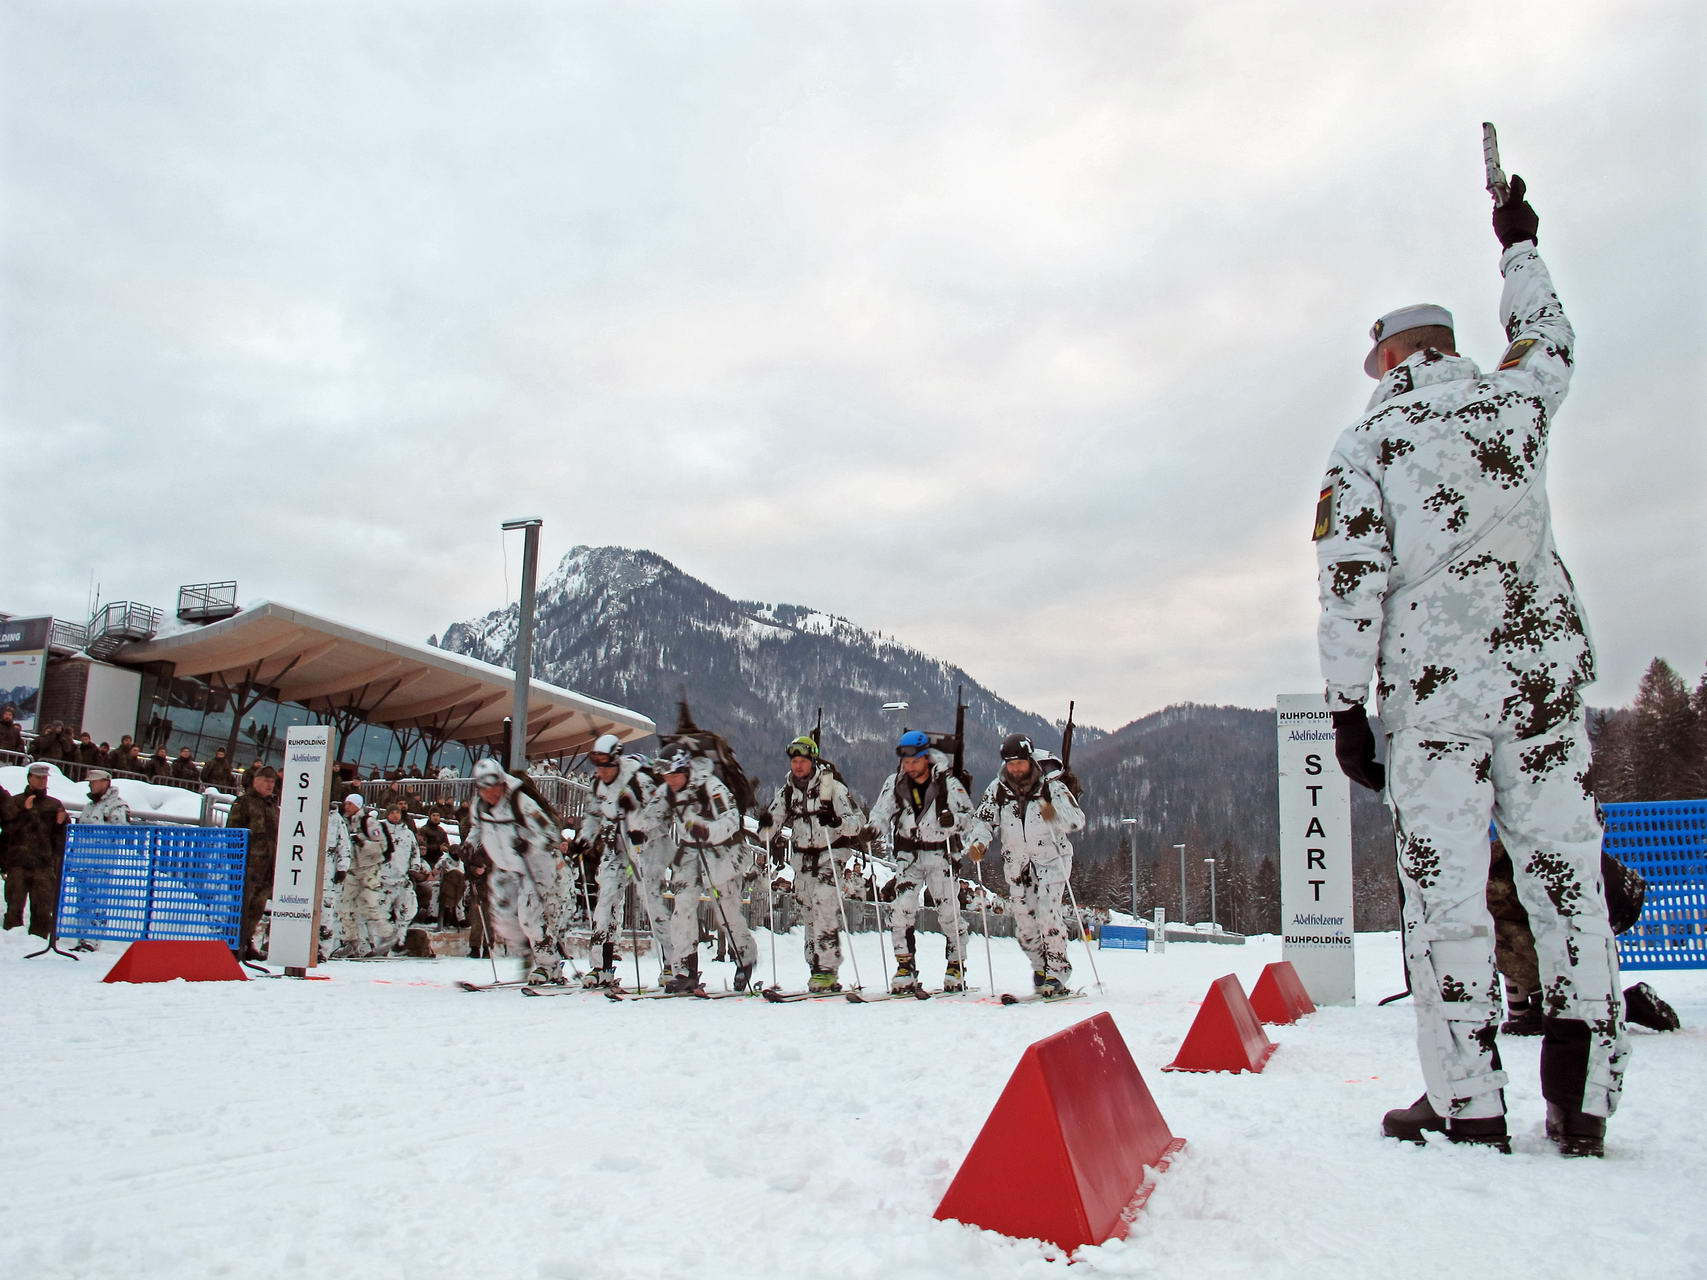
(23, 659)
(1315, 852)
(304, 782)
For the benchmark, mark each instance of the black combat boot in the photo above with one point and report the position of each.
(1410, 1123)
(1643, 1006)
(686, 979)
(1574, 1133)
(1564, 1079)
(743, 975)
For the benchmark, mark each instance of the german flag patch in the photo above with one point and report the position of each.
(1324, 514)
(1515, 352)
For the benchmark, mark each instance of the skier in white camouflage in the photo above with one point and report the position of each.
(623, 825)
(397, 890)
(705, 825)
(363, 916)
(1439, 579)
(1031, 807)
(520, 836)
(925, 814)
(338, 854)
(819, 816)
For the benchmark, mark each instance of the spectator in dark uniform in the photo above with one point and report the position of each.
(159, 767)
(35, 839)
(11, 732)
(88, 753)
(184, 768)
(257, 809)
(217, 772)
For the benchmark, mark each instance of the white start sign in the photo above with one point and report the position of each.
(1315, 852)
(301, 861)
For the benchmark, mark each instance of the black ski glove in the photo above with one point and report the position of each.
(1354, 748)
(1515, 221)
(338, 876)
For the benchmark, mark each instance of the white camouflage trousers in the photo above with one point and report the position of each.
(1040, 915)
(724, 890)
(820, 908)
(363, 913)
(931, 872)
(613, 880)
(1445, 782)
(526, 914)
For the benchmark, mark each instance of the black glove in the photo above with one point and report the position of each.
(1354, 748)
(779, 844)
(338, 876)
(827, 815)
(1515, 221)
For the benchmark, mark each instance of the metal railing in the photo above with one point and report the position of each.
(566, 795)
(118, 623)
(207, 601)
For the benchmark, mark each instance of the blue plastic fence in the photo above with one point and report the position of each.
(1667, 842)
(1123, 937)
(124, 883)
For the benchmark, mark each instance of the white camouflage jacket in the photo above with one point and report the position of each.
(512, 828)
(920, 831)
(704, 803)
(1437, 572)
(816, 813)
(1028, 838)
(626, 805)
(110, 809)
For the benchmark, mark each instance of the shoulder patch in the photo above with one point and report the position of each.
(720, 802)
(1324, 513)
(1515, 353)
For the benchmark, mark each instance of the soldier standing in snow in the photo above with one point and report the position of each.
(621, 824)
(925, 814)
(256, 810)
(1438, 578)
(704, 823)
(821, 817)
(519, 837)
(105, 804)
(363, 912)
(34, 824)
(397, 890)
(338, 855)
(1034, 810)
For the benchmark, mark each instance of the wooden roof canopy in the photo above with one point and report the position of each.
(327, 666)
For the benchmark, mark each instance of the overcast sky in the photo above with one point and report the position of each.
(1019, 331)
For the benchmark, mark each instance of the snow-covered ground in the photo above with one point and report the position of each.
(385, 1124)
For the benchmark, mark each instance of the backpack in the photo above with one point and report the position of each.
(714, 747)
(1068, 777)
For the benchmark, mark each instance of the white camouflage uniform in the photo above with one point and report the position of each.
(520, 838)
(820, 815)
(706, 802)
(397, 890)
(1438, 577)
(110, 809)
(909, 818)
(364, 913)
(338, 854)
(1037, 858)
(624, 825)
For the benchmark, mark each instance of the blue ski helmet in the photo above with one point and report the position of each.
(912, 743)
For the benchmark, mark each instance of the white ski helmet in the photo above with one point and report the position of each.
(488, 771)
(608, 745)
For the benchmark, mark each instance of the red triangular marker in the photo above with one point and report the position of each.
(1226, 1035)
(1062, 1157)
(1279, 997)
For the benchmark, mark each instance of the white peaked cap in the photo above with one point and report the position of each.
(1420, 316)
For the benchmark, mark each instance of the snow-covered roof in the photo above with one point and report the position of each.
(317, 662)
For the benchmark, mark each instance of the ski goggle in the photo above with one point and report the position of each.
(602, 760)
(909, 751)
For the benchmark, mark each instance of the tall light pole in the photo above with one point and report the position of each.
(1213, 918)
(524, 640)
(1182, 915)
(1132, 849)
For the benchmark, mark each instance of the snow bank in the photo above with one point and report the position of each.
(144, 798)
(383, 1124)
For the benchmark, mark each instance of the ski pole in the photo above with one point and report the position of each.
(486, 929)
(635, 877)
(871, 865)
(770, 913)
(984, 912)
(716, 895)
(842, 905)
(1079, 928)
